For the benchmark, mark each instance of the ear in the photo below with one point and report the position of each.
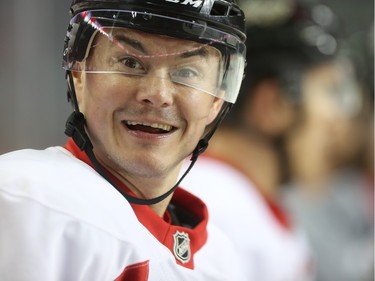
(78, 79)
(215, 109)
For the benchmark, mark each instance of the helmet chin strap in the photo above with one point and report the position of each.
(75, 128)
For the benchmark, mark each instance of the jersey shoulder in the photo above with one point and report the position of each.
(54, 179)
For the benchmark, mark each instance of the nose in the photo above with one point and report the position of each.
(156, 90)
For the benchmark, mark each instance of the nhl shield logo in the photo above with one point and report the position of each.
(181, 247)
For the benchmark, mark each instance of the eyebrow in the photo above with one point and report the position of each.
(132, 42)
(199, 51)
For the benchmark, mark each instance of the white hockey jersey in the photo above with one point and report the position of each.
(271, 248)
(60, 220)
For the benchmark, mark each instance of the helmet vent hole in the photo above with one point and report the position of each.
(219, 9)
(234, 12)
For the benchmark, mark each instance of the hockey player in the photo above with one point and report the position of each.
(149, 82)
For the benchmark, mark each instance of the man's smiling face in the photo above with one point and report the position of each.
(145, 98)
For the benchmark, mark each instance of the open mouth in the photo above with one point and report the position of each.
(151, 128)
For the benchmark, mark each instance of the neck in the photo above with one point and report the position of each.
(138, 187)
(145, 187)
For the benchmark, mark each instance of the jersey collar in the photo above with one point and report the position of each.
(182, 241)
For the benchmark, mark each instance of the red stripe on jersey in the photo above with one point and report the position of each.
(164, 231)
(161, 227)
(135, 272)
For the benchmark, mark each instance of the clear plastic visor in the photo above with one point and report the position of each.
(123, 43)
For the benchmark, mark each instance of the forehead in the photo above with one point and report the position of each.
(150, 45)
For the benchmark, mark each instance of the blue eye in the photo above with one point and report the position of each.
(184, 73)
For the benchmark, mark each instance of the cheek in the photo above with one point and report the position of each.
(200, 108)
(101, 93)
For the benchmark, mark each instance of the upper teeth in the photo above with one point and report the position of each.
(153, 125)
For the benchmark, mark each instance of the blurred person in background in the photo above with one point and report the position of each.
(330, 191)
(282, 45)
